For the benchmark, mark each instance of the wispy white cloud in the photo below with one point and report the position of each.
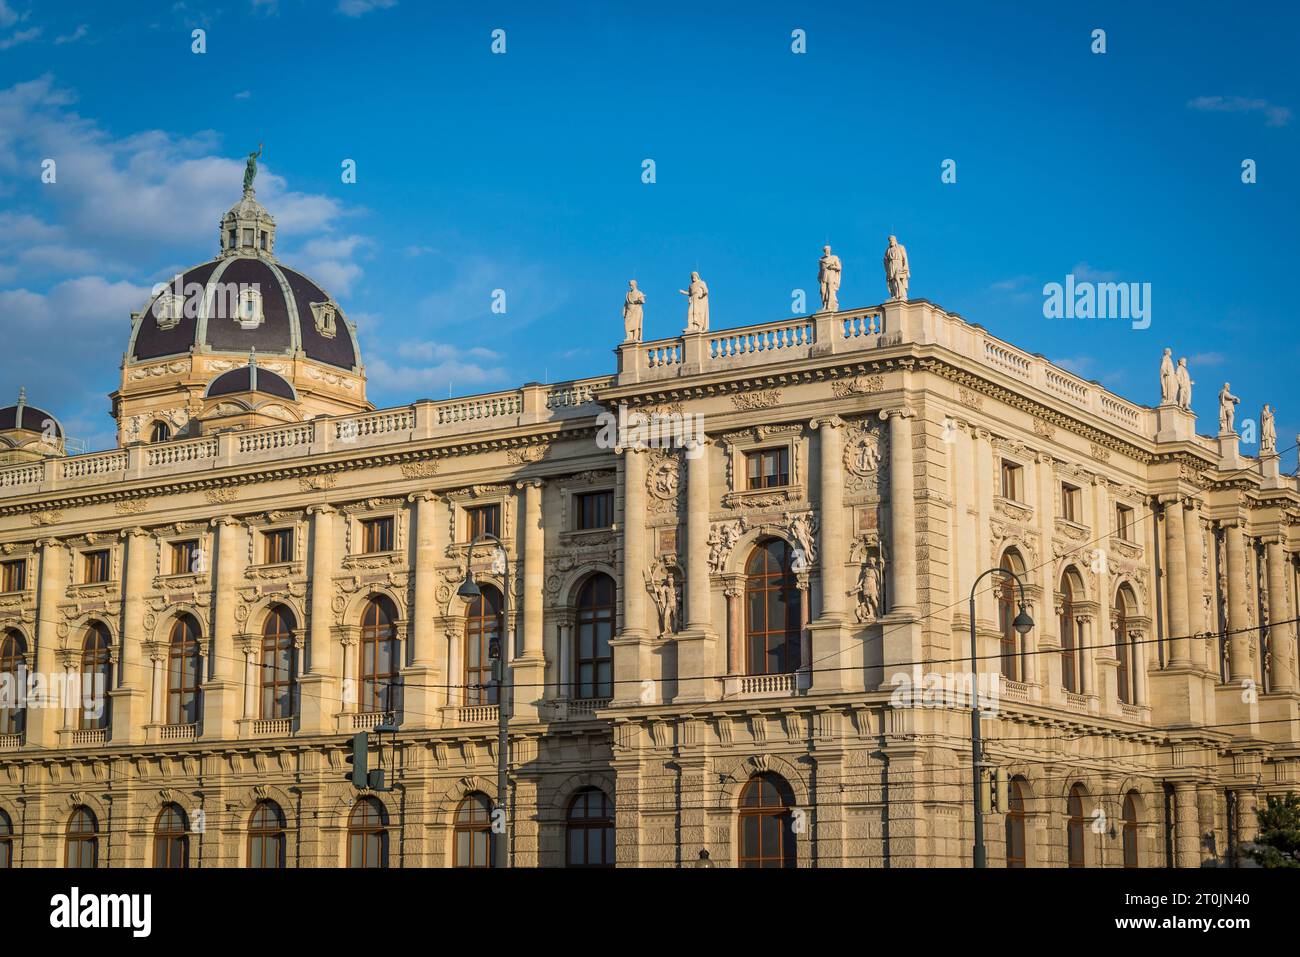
(7, 16)
(1085, 273)
(78, 34)
(359, 8)
(1274, 115)
(243, 94)
(22, 36)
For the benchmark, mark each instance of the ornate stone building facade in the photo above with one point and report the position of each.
(708, 642)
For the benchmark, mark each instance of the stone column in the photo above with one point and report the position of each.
(318, 691)
(734, 590)
(157, 652)
(219, 707)
(902, 512)
(42, 723)
(696, 663)
(1247, 821)
(1176, 570)
(1239, 666)
(632, 658)
(421, 678)
(131, 673)
(831, 501)
(529, 669)
(1194, 542)
(70, 693)
(249, 648)
(697, 536)
(1187, 825)
(1281, 635)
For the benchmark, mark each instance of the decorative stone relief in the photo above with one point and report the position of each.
(858, 385)
(663, 481)
(803, 529)
(417, 470)
(869, 588)
(723, 537)
(758, 399)
(662, 584)
(862, 457)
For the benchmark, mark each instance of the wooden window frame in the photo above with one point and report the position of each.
(180, 695)
(374, 633)
(94, 562)
(474, 528)
(260, 834)
(272, 554)
(75, 838)
(757, 478)
(274, 678)
(588, 617)
(473, 816)
(1011, 480)
(13, 575)
(763, 581)
(482, 618)
(585, 519)
(174, 840)
(373, 537)
(786, 854)
(365, 830)
(584, 823)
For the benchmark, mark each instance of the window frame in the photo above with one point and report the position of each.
(370, 827)
(6, 841)
(585, 823)
(272, 644)
(174, 839)
(13, 662)
(96, 560)
(190, 548)
(786, 854)
(764, 582)
(374, 634)
(472, 824)
(286, 555)
(605, 496)
(781, 475)
(182, 697)
(81, 839)
(473, 529)
(1072, 503)
(276, 834)
(479, 688)
(11, 569)
(587, 620)
(1124, 516)
(1076, 830)
(369, 540)
(93, 660)
(1011, 480)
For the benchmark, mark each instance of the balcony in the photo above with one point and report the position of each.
(364, 721)
(88, 737)
(272, 727)
(761, 686)
(10, 742)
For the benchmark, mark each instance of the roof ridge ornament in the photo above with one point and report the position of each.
(250, 170)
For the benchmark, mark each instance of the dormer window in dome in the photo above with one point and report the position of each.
(250, 314)
(168, 310)
(326, 315)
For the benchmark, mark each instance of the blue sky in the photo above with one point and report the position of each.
(522, 172)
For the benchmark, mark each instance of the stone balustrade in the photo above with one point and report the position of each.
(422, 420)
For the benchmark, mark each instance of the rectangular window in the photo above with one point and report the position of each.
(767, 468)
(377, 534)
(96, 566)
(277, 546)
(595, 509)
(1071, 509)
(13, 575)
(1124, 523)
(482, 520)
(184, 557)
(1011, 480)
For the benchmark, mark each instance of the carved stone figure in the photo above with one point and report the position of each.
(1168, 379)
(1227, 409)
(697, 304)
(722, 539)
(250, 169)
(868, 590)
(803, 529)
(661, 583)
(897, 271)
(829, 278)
(632, 304)
(1267, 432)
(1185, 383)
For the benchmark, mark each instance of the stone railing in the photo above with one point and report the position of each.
(272, 727)
(586, 706)
(10, 742)
(177, 732)
(477, 714)
(1016, 691)
(87, 737)
(768, 684)
(423, 420)
(368, 720)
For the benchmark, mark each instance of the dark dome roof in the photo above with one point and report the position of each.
(27, 417)
(207, 316)
(250, 378)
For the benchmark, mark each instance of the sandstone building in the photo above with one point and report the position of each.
(707, 643)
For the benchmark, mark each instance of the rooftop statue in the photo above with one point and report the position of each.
(1185, 383)
(1267, 432)
(697, 304)
(829, 278)
(897, 271)
(1168, 379)
(1227, 409)
(250, 169)
(632, 312)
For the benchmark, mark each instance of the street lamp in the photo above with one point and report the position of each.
(1022, 624)
(469, 590)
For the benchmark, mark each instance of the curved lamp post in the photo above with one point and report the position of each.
(1022, 624)
(469, 590)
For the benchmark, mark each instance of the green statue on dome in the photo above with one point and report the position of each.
(250, 169)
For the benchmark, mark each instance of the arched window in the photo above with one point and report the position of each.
(160, 432)
(279, 664)
(13, 665)
(482, 633)
(6, 842)
(1125, 648)
(379, 655)
(368, 834)
(1071, 645)
(1075, 829)
(82, 839)
(772, 610)
(589, 828)
(171, 838)
(472, 846)
(1015, 823)
(766, 825)
(96, 673)
(1012, 643)
(1130, 818)
(266, 840)
(594, 662)
(184, 672)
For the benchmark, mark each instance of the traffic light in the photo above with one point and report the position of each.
(1001, 790)
(994, 790)
(358, 759)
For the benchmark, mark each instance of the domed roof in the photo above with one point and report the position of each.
(27, 418)
(250, 378)
(245, 300)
